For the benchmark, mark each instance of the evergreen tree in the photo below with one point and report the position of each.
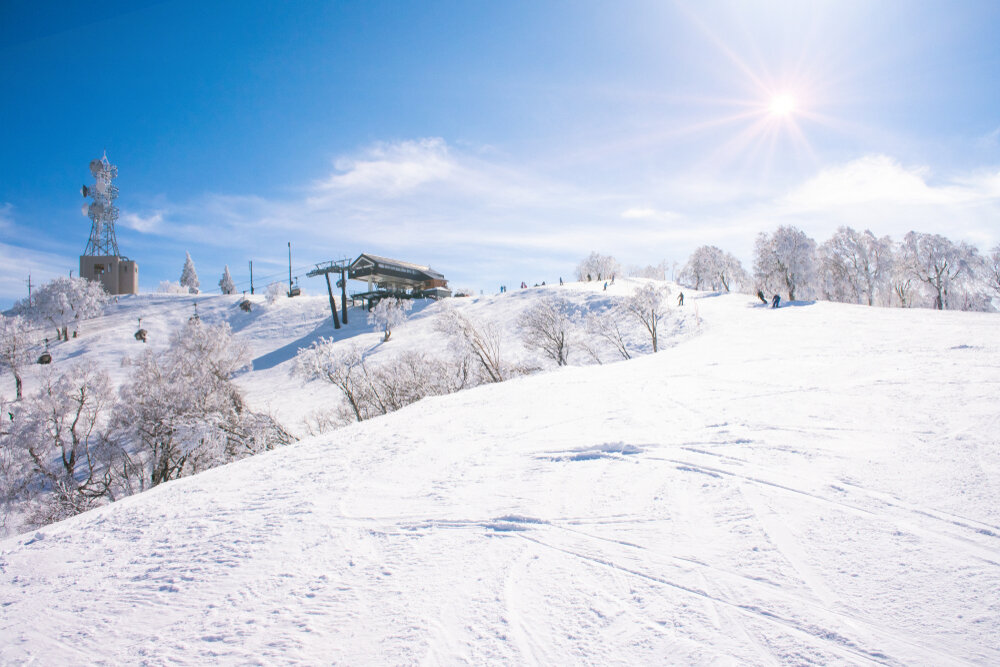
(226, 284)
(189, 277)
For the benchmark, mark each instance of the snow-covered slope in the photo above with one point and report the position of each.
(817, 484)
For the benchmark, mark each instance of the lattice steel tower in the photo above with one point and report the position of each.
(101, 261)
(102, 210)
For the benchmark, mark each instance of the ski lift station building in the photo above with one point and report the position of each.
(392, 277)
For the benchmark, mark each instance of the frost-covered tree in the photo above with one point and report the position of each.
(938, 263)
(712, 268)
(226, 284)
(372, 389)
(648, 305)
(10, 478)
(389, 314)
(993, 271)
(170, 287)
(60, 451)
(901, 280)
(608, 325)
(274, 292)
(180, 412)
(597, 267)
(783, 261)
(189, 277)
(480, 342)
(854, 266)
(15, 348)
(548, 326)
(64, 303)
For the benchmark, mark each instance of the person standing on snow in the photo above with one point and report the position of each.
(680, 299)
(775, 300)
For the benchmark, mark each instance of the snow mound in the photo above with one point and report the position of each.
(804, 485)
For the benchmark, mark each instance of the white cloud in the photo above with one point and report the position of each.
(16, 263)
(146, 224)
(648, 213)
(873, 178)
(462, 209)
(879, 193)
(392, 169)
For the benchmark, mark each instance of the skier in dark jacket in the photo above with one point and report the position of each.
(760, 295)
(775, 300)
(680, 299)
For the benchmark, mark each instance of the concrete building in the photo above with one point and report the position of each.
(101, 260)
(119, 275)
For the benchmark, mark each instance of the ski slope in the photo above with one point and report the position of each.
(818, 484)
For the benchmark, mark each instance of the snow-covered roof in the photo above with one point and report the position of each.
(431, 273)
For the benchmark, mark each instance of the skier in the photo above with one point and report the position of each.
(775, 300)
(680, 299)
(560, 280)
(760, 295)
(605, 285)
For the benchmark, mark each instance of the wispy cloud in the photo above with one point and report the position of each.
(880, 193)
(392, 169)
(468, 211)
(17, 263)
(149, 223)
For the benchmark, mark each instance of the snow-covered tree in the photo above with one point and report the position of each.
(61, 453)
(15, 352)
(64, 303)
(901, 280)
(608, 325)
(937, 263)
(710, 267)
(189, 277)
(648, 305)
(597, 267)
(479, 341)
(372, 389)
(547, 326)
(993, 271)
(226, 284)
(180, 412)
(855, 266)
(783, 261)
(389, 314)
(651, 271)
(170, 287)
(274, 292)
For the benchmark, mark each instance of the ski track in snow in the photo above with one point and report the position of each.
(814, 485)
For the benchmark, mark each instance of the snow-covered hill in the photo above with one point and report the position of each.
(815, 484)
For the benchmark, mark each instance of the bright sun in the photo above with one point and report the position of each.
(782, 105)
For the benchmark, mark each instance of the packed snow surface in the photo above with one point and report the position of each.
(817, 484)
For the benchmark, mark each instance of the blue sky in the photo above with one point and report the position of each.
(495, 141)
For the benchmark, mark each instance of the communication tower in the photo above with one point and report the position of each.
(101, 260)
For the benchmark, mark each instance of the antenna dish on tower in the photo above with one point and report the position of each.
(102, 211)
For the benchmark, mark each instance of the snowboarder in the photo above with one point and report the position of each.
(605, 285)
(760, 295)
(560, 280)
(680, 299)
(775, 300)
